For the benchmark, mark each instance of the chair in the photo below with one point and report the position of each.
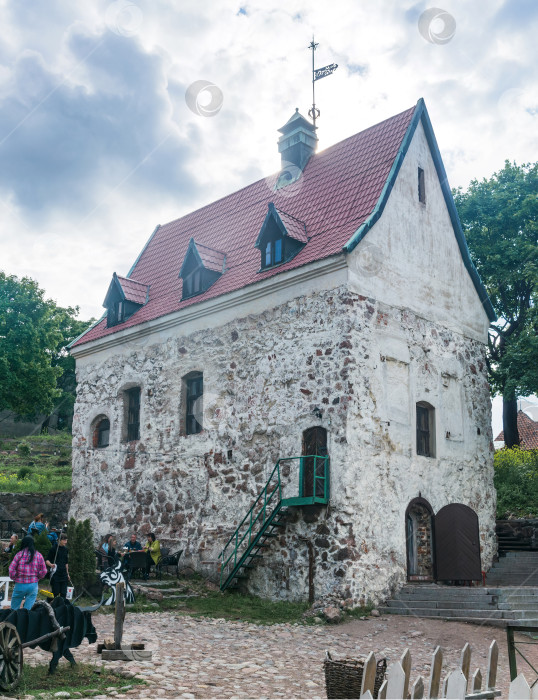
(132, 561)
(169, 559)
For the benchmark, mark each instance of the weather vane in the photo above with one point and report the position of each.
(317, 75)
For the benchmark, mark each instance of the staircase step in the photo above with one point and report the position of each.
(443, 604)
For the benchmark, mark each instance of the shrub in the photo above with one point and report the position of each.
(23, 473)
(42, 545)
(24, 449)
(516, 481)
(81, 553)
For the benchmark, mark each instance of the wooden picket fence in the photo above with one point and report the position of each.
(458, 684)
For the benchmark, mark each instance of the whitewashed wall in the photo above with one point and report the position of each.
(359, 342)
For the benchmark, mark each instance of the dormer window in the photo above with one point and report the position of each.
(202, 267)
(281, 237)
(273, 252)
(124, 297)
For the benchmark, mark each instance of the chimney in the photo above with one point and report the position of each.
(298, 141)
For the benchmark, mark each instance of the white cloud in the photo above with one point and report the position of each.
(97, 144)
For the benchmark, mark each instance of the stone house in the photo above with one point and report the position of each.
(330, 312)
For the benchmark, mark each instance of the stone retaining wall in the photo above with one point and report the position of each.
(23, 507)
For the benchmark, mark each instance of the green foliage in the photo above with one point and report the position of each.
(36, 372)
(42, 545)
(516, 481)
(81, 553)
(23, 473)
(500, 220)
(45, 473)
(24, 449)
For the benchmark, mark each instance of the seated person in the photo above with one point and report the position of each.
(38, 525)
(108, 551)
(132, 545)
(12, 542)
(153, 553)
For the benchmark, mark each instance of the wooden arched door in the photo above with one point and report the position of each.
(457, 544)
(314, 443)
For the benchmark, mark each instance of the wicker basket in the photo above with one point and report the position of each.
(343, 677)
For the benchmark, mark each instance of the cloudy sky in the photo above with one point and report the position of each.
(103, 136)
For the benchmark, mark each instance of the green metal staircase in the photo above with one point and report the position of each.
(268, 513)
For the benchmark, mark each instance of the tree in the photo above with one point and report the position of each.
(70, 328)
(500, 220)
(81, 553)
(36, 371)
(28, 335)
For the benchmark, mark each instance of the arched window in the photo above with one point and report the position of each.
(101, 432)
(425, 429)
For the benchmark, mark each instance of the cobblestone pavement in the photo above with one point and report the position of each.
(205, 658)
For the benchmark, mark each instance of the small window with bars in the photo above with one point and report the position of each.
(194, 403)
(133, 413)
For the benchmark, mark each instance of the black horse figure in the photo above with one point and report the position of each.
(112, 576)
(32, 624)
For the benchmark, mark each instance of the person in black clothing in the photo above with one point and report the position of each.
(59, 556)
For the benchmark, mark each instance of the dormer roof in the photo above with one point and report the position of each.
(287, 224)
(126, 289)
(210, 258)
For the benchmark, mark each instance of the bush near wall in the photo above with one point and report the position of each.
(516, 481)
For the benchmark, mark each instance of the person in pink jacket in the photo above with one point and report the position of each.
(26, 569)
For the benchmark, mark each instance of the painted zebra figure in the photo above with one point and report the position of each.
(110, 577)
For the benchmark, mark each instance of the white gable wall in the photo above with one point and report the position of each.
(411, 259)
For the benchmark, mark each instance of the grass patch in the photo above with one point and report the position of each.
(35, 464)
(81, 678)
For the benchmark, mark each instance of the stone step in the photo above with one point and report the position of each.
(448, 594)
(520, 600)
(444, 604)
(493, 622)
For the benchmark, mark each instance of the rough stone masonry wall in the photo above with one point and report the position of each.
(356, 547)
(195, 489)
(266, 379)
(23, 507)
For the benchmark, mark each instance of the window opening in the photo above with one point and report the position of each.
(195, 390)
(193, 284)
(103, 433)
(425, 430)
(274, 252)
(421, 187)
(133, 414)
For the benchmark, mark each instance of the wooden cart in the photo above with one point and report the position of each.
(11, 653)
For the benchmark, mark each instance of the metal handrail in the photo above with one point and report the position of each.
(262, 518)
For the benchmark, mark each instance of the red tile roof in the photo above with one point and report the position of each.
(133, 290)
(211, 259)
(528, 432)
(295, 228)
(337, 192)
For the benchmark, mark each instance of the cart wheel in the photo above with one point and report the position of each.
(10, 656)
